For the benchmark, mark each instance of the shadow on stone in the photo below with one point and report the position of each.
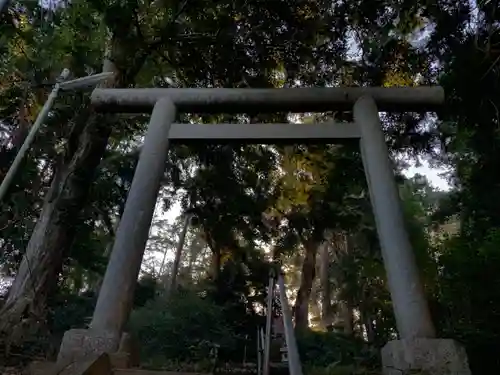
(98, 365)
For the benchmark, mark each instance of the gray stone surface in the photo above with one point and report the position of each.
(97, 365)
(116, 296)
(424, 357)
(411, 310)
(40, 368)
(120, 360)
(83, 344)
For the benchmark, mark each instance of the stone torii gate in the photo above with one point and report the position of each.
(418, 347)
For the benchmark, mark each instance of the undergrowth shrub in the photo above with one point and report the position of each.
(330, 353)
(182, 328)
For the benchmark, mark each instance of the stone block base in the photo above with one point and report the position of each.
(424, 357)
(79, 346)
(40, 368)
(99, 365)
(120, 360)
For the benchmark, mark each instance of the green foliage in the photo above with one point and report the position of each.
(336, 369)
(332, 353)
(183, 328)
(469, 309)
(69, 311)
(146, 290)
(244, 196)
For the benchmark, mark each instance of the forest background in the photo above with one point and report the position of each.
(306, 205)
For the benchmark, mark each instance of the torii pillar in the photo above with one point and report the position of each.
(417, 348)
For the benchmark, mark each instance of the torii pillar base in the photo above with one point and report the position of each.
(424, 356)
(81, 345)
(78, 344)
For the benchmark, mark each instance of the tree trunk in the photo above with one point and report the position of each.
(370, 329)
(216, 255)
(326, 291)
(315, 303)
(346, 317)
(52, 237)
(178, 253)
(191, 260)
(194, 251)
(301, 309)
(216, 263)
(38, 273)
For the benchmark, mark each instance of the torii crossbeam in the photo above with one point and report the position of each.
(302, 99)
(409, 303)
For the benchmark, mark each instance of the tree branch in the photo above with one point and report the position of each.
(107, 220)
(136, 21)
(155, 44)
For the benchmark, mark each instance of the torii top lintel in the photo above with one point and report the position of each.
(227, 100)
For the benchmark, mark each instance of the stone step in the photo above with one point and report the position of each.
(40, 367)
(151, 372)
(132, 371)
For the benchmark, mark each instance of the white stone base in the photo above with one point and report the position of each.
(83, 345)
(424, 357)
